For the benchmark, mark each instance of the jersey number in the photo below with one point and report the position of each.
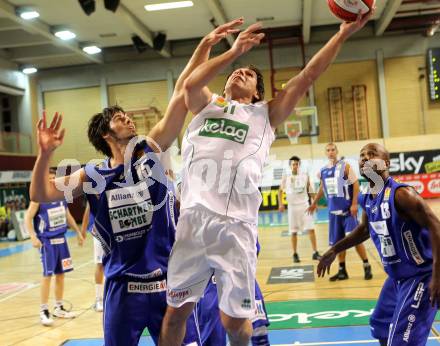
(385, 210)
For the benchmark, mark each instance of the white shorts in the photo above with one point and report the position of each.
(209, 243)
(98, 251)
(299, 220)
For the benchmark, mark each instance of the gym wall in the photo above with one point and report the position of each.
(406, 94)
(77, 106)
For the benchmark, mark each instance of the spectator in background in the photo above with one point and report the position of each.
(23, 204)
(3, 222)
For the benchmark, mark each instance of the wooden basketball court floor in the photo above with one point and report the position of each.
(20, 273)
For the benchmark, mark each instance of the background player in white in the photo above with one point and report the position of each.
(224, 150)
(298, 193)
(48, 237)
(98, 253)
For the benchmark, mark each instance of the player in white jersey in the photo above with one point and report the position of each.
(297, 188)
(224, 150)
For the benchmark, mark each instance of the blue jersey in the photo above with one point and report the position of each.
(403, 245)
(136, 219)
(93, 198)
(51, 220)
(337, 189)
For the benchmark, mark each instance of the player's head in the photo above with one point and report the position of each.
(112, 125)
(373, 158)
(295, 162)
(331, 151)
(245, 82)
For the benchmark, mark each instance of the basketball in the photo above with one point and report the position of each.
(347, 10)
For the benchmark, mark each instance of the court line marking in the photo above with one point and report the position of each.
(38, 284)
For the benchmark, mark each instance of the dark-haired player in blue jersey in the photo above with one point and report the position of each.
(340, 186)
(47, 224)
(135, 221)
(406, 234)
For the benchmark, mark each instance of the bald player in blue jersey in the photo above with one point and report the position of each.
(340, 186)
(135, 285)
(406, 233)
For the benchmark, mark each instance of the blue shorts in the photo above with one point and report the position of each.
(211, 329)
(55, 256)
(260, 319)
(212, 332)
(339, 225)
(131, 305)
(403, 313)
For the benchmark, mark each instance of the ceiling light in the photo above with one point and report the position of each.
(168, 5)
(92, 50)
(65, 35)
(27, 13)
(29, 70)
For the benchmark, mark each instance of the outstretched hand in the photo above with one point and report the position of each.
(349, 28)
(223, 31)
(50, 138)
(247, 39)
(325, 262)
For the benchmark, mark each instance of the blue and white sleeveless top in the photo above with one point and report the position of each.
(136, 218)
(403, 245)
(51, 220)
(93, 198)
(337, 189)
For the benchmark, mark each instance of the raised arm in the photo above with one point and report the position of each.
(356, 237)
(169, 127)
(411, 206)
(197, 95)
(41, 189)
(282, 105)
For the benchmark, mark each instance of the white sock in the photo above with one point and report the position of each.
(58, 303)
(44, 307)
(99, 289)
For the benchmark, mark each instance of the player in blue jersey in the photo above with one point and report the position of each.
(47, 224)
(98, 252)
(340, 186)
(135, 221)
(406, 234)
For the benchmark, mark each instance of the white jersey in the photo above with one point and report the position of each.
(224, 150)
(295, 187)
